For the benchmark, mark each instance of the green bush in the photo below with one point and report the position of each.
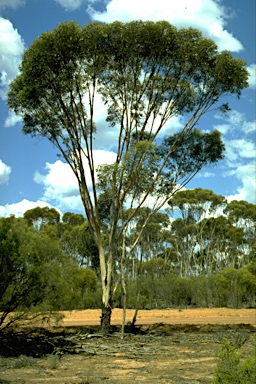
(203, 291)
(235, 287)
(142, 302)
(231, 370)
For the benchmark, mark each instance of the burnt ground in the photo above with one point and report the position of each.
(158, 353)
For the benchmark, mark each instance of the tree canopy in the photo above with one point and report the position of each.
(145, 73)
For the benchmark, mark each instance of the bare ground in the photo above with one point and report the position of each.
(167, 316)
(171, 346)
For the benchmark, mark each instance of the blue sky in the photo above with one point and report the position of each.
(30, 172)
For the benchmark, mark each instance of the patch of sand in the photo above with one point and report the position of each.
(167, 316)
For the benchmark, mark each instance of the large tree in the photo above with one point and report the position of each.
(145, 73)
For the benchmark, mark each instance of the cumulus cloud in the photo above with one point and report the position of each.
(60, 184)
(239, 148)
(252, 75)
(240, 164)
(11, 49)
(11, 4)
(247, 190)
(207, 15)
(240, 153)
(5, 171)
(18, 209)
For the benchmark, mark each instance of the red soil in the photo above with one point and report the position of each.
(167, 316)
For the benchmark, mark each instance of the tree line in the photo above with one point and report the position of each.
(200, 251)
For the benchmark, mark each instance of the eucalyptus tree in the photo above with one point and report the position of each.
(243, 215)
(79, 245)
(145, 73)
(183, 244)
(39, 217)
(197, 203)
(73, 219)
(150, 243)
(195, 207)
(224, 244)
(147, 248)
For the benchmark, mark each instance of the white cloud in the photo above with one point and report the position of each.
(69, 5)
(235, 117)
(11, 3)
(18, 209)
(224, 128)
(238, 149)
(60, 184)
(252, 78)
(205, 174)
(11, 49)
(207, 15)
(5, 171)
(248, 127)
(12, 119)
(240, 164)
(240, 154)
(247, 175)
(235, 122)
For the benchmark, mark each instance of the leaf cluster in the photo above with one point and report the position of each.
(145, 73)
(231, 369)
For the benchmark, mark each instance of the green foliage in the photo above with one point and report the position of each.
(164, 289)
(73, 219)
(241, 211)
(146, 73)
(78, 243)
(190, 153)
(39, 217)
(204, 291)
(251, 267)
(142, 302)
(196, 202)
(179, 72)
(235, 286)
(44, 268)
(35, 275)
(27, 261)
(155, 268)
(231, 370)
(81, 286)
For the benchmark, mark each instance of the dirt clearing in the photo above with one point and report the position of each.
(169, 316)
(171, 346)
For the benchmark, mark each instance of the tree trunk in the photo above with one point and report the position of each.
(105, 319)
(124, 309)
(106, 281)
(137, 293)
(123, 287)
(135, 314)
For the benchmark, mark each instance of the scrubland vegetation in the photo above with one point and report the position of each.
(49, 263)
